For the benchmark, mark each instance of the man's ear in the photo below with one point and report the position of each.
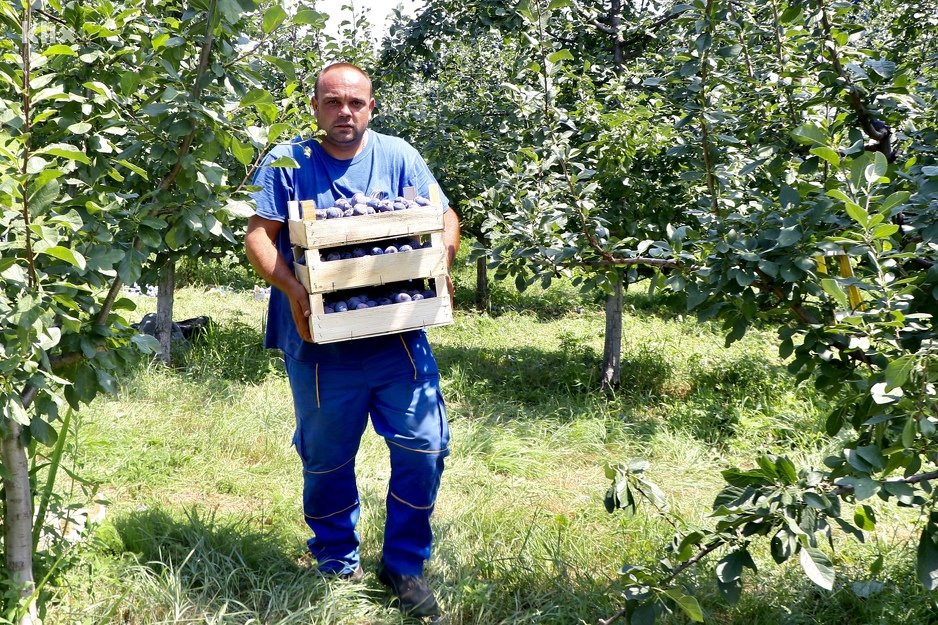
(315, 104)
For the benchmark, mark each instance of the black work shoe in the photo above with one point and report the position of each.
(355, 576)
(412, 591)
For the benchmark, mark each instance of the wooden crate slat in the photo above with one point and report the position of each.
(346, 230)
(353, 273)
(357, 324)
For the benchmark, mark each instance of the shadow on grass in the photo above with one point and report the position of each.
(199, 565)
(532, 376)
(721, 392)
(233, 352)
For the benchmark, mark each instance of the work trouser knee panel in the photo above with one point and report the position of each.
(411, 414)
(415, 476)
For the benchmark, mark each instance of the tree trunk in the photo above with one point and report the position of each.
(612, 345)
(164, 310)
(18, 519)
(483, 302)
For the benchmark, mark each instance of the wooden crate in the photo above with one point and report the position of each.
(313, 238)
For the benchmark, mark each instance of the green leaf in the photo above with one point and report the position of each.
(239, 208)
(898, 371)
(255, 96)
(137, 170)
(42, 431)
(558, 4)
(287, 162)
(857, 213)
(59, 49)
(872, 455)
(884, 231)
(243, 152)
(817, 566)
(789, 197)
(877, 169)
(560, 55)
(927, 553)
(908, 432)
(273, 17)
(66, 151)
(310, 17)
(899, 197)
(66, 254)
(809, 134)
(832, 288)
(864, 518)
(786, 470)
(35, 164)
(687, 603)
(230, 10)
(788, 236)
(828, 154)
(881, 395)
(146, 344)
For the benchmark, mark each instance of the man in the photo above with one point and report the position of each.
(336, 386)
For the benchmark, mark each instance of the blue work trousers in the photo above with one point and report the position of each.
(395, 380)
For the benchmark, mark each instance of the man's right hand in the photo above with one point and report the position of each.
(259, 242)
(299, 305)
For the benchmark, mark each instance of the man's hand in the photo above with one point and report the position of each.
(260, 244)
(451, 243)
(299, 305)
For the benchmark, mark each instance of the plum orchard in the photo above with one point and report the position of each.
(126, 129)
(777, 159)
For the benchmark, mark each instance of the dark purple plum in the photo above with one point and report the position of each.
(416, 297)
(334, 256)
(348, 212)
(342, 203)
(390, 250)
(405, 248)
(346, 255)
(399, 206)
(333, 211)
(359, 209)
(361, 306)
(340, 306)
(320, 213)
(328, 309)
(421, 201)
(371, 303)
(383, 301)
(358, 252)
(401, 297)
(376, 251)
(359, 198)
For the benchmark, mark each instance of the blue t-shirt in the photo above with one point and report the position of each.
(386, 164)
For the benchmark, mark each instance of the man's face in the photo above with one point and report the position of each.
(343, 108)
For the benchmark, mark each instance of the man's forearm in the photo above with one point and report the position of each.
(266, 258)
(450, 235)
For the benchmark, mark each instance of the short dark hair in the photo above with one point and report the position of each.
(341, 65)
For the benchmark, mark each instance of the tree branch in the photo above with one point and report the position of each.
(876, 130)
(196, 92)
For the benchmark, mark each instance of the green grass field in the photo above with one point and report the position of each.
(204, 522)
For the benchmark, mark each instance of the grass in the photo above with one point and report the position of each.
(205, 523)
